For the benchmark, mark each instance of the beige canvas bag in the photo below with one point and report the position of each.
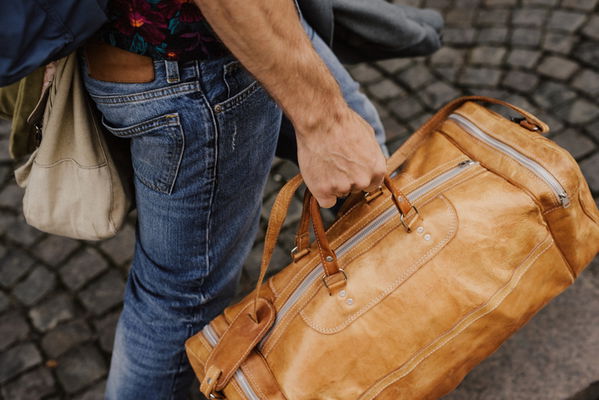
(72, 185)
(414, 285)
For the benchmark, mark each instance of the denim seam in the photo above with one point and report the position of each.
(183, 88)
(240, 97)
(181, 363)
(144, 127)
(175, 170)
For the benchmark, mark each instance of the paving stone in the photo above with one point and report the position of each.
(530, 17)
(542, 3)
(106, 328)
(393, 129)
(449, 73)
(552, 94)
(473, 76)
(520, 81)
(405, 108)
(437, 94)
(96, 392)
(82, 268)
(585, 5)
(500, 3)
(576, 143)
(558, 43)
(51, 312)
(120, 248)
(459, 36)
(13, 266)
(104, 293)
(11, 197)
(39, 283)
(460, 16)
(587, 52)
(5, 172)
(365, 73)
(438, 4)
(53, 250)
(593, 130)
(557, 67)
(591, 29)
(22, 233)
(64, 337)
(4, 302)
(13, 327)
(526, 37)
(567, 21)
(395, 65)
(384, 90)
(499, 17)
(17, 360)
(487, 55)
(416, 77)
(589, 167)
(523, 58)
(587, 81)
(493, 35)
(33, 385)
(579, 112)
(448, 56)
(80, 367)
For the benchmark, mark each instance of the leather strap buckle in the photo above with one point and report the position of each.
(334, 282)
(369, 196)
(408, 224)
(298, 255)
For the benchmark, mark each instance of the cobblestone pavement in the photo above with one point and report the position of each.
(60, 298)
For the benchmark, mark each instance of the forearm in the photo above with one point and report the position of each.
(268, 39)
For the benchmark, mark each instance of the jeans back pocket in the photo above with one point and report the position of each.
(156, 148)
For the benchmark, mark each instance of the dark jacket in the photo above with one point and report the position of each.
(35, 32)
(372, 30)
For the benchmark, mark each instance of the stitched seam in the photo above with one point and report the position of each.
(235, 101)
(65, 160)
(489, 303)
(177, 167)
(272, 287)
(183, 88)
(250, 348)
(396, 283)
(144, 127)
(250, 376)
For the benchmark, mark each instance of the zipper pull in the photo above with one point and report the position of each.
(466, 163)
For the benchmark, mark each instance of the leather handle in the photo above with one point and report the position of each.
(302, 237)
(530, 122)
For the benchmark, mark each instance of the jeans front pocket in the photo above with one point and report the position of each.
(156, 148)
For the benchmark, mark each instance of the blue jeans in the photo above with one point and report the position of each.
(203, 136)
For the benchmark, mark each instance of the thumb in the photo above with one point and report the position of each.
(326, 201)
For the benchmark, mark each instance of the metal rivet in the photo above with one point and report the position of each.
(420, 230)
(349, 302)
(329, 259)
(218, 108)
(427, 237)
(342, 293)
(208, 380)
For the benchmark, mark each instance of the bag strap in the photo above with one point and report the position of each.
(529, 122)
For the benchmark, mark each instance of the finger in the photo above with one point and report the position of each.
(326, 201)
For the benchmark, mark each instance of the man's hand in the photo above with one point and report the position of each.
(337, 150)
(340, 157)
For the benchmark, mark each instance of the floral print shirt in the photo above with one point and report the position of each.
(161, 29)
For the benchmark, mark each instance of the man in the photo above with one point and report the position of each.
(203, 134)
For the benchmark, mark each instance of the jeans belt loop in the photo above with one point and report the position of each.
(172, 71)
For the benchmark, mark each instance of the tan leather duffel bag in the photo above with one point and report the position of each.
(405, 294)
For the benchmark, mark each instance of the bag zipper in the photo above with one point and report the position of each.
(385, 216)
(531, 165)
(239, 376)
(212, 337)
